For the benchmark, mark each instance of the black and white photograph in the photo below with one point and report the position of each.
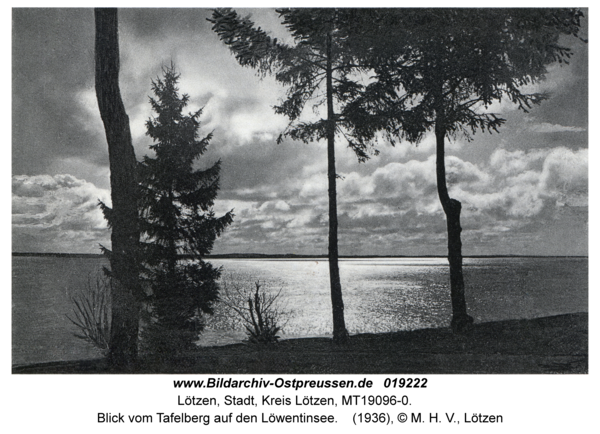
(300, 191)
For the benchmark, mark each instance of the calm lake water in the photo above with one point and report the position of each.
(380, 295)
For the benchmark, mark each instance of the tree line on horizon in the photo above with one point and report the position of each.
(428, 70)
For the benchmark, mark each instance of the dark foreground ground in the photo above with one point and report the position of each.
(557, 344)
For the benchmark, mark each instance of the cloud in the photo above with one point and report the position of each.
(394, 208)
(513, 190)
(512, 163)
(522, 185)
(315, 186)
(237, 104)
(564, 177)
(275, 205)
(546, 127)
(57, 212)
(279, 192)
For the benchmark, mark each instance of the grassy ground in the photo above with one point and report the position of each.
(557, 344)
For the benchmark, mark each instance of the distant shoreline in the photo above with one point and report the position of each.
(293, 256)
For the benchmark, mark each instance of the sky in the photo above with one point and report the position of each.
(524, 190)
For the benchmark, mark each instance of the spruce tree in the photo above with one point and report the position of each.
(178, 224)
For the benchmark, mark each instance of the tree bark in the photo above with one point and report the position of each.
(340, 334)
(125, 231)
(461, 321)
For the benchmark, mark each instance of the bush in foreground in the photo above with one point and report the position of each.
(91, 311)
(261, 311)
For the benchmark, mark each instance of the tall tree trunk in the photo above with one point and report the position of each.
(461, 321)
(125, 232)
(340, 334)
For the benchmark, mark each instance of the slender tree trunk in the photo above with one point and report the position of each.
(340, 334)
(461, 321)
(125, 232)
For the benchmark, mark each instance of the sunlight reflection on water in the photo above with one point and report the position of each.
(380, 295)
(391, 294)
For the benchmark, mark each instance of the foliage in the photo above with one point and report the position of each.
(458, 61)
(260, 310)
(91, 311)
(321, 37)
(177, 222)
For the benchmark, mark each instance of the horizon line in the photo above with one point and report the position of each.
(294, 255)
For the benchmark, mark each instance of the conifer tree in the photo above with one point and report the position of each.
(177, 222)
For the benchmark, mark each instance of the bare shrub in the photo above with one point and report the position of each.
(91, 311)
(261, 311)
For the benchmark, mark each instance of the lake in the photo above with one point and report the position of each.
(380, 295)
